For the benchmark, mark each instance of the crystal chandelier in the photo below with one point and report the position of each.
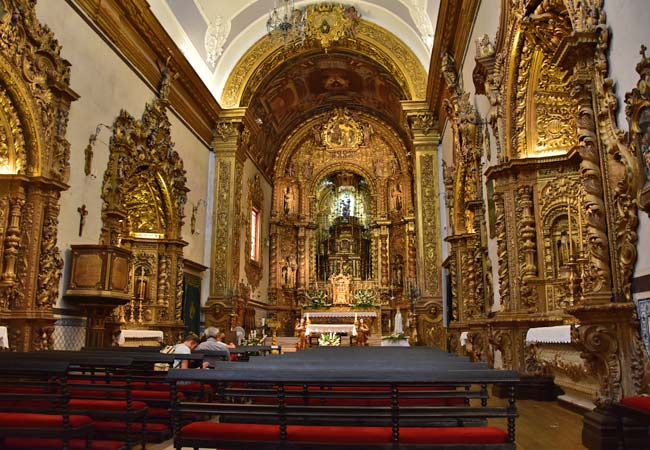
(286, 20)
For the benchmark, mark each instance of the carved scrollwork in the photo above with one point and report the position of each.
(599, 348)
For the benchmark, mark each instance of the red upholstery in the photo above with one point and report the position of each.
(105, 425)
(56, 444)
(339, 434)
(105, 405)
(26, 420)
(641, 402)
(231, 431)
(453, 435)
(158, 412)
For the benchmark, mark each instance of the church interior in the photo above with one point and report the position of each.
(466, 178)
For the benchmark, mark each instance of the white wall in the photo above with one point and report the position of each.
(629, 22)
(107, 85)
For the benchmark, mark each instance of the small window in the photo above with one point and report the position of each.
(255, 234)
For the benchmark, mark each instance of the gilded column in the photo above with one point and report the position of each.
(226, 214)
(12, 238)
(425, 146)
(502, 251)
(527, 232)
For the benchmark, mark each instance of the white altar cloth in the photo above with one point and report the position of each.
(317, 314)
(395, 343)
(560, 334)
(331, 328)
(139, 334)
(4, 339)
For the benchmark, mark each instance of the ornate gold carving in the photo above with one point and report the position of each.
(526, 232)
(13, 157)
(222, 216)
(328, 23)
(422, 123)
(429, 231)
(50, 262)
(342, 131)
(637, 111)
(377, 44)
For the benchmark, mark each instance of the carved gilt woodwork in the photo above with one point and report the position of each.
(565, 184)
(144, 198)
(470, 266)
(35, 98)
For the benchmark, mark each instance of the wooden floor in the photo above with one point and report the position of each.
(540, 426)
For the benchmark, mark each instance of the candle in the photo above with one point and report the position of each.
(355, 317)
(580, 230)
(263, 322)
(307, 316)
(570, 232)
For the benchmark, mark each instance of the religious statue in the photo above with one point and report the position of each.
(363, 331)
(288, 200)
(289, 274)
(340, 286)
(301, 332)
(345, 207)
(398, 323)
(397, 195)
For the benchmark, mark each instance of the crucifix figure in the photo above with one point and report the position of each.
(83, 212)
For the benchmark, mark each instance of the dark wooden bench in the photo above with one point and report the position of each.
(634, 422)
(34, 404)
(326, 404)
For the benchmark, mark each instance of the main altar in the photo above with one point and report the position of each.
(339, 305)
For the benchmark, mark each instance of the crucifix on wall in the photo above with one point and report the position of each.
(83, 212)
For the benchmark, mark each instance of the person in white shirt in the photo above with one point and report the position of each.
(185, 348)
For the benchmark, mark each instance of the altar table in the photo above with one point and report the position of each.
(331, 328)
(135, 338)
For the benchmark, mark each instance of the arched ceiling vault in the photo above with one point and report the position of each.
(283, 87)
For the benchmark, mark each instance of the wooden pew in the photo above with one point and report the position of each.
(331, 405)
(34, 405)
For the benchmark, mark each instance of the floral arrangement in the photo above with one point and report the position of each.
(253, 339)
(363, 298)
(394, 337)
(317, 300)
(329, 340)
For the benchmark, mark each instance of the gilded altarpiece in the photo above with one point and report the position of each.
(565, 182)
(347, 152)
(144, 197)
(35, 98)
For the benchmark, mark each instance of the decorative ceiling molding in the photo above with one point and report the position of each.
(372, 41)
(453, 32)
(131, 26)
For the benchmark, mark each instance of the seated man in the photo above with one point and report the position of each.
(213, 343)
(185, 348)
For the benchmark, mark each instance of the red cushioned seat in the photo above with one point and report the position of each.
(105, 425)
(453, 435)
(231, 431)
(55, 444)
(158, 412)
(339, 434)
(151, 385)
(640, 402)
(105, 405)
(28, 420)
